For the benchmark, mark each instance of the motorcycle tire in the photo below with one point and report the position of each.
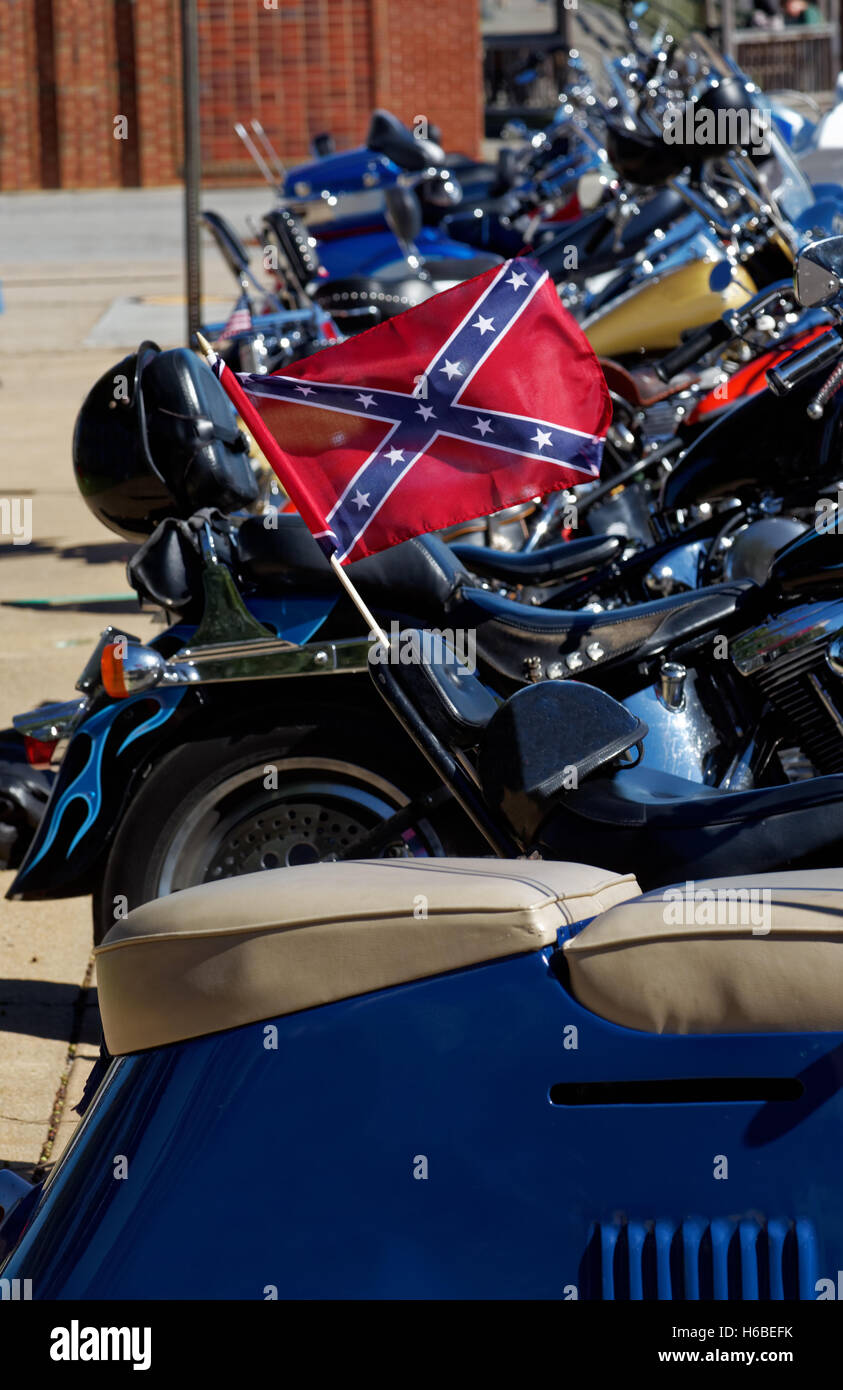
(227, 804)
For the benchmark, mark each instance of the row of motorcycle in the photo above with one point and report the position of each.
(650, 682)
(696, 583)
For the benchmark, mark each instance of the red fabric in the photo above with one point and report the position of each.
(542, 368)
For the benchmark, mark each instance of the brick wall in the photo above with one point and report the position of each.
(69, 67)
(86, 91)
(20, 147)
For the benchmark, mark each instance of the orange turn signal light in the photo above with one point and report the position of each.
(111, 671)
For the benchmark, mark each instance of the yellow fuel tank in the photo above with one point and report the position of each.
(654, 315)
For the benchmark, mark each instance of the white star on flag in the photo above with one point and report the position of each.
(361, 500)
(485, 325)
(305, 390)
(425, 411)
(484, 426)
(541, 437)
(395, 456)
(516, 280)
(452, 368)
(365, 401)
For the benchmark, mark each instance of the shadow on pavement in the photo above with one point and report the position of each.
(97, 553)
(40, 1008)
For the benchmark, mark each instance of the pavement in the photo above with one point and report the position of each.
(68, 261)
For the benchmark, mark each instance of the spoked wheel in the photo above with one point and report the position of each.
(316, 812)
(228, 804)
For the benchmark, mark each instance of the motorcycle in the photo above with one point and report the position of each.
(571, 1018)
(363, 261)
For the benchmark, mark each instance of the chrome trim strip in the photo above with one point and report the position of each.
(266, 661)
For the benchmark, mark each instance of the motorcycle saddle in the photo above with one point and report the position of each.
(566, 560)
(517, 640)
(641, 386)
(593, 238)
(450, 270)
(664, 827)
(418, 577)
(388, 136)
(381, 296)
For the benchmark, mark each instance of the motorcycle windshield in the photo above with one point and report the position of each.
(785, 181)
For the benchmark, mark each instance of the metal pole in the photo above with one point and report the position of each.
(563, 22)
(192, 163)
(727, 27)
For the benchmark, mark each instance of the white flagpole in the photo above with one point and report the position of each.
(374, 625)
(368, 617)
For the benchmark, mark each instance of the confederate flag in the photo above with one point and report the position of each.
(481, 397)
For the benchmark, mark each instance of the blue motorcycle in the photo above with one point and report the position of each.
(364, 218)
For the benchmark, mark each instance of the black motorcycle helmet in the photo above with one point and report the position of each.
(648, 158)
(157, 436)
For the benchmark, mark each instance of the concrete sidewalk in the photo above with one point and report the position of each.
(64, 260)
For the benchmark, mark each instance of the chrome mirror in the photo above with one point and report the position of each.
(818, 272)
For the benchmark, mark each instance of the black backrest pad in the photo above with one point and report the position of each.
(229, 243)
(388, 136)
(418, 577)
(450, 698)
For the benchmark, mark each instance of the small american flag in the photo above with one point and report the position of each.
(240, 319)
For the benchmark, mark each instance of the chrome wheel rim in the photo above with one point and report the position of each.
(318, 809)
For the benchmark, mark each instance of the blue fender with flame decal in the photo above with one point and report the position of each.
(91, 783)
(109, 747)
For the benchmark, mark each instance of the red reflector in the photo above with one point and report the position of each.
(111, 670)
(38, 750)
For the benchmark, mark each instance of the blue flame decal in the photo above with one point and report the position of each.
(87, 784)
(151, 723)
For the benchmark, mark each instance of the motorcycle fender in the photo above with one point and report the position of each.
(96, 773)
(109, 753)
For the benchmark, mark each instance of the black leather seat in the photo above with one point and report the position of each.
(424, 578)
(593, 237)
(509, 633)
(419, 577)
(455, 268)
(388, 136)
(567, 560)
(359, 301)
(669, 829)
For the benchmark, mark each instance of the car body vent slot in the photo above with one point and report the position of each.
(725, 1259)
